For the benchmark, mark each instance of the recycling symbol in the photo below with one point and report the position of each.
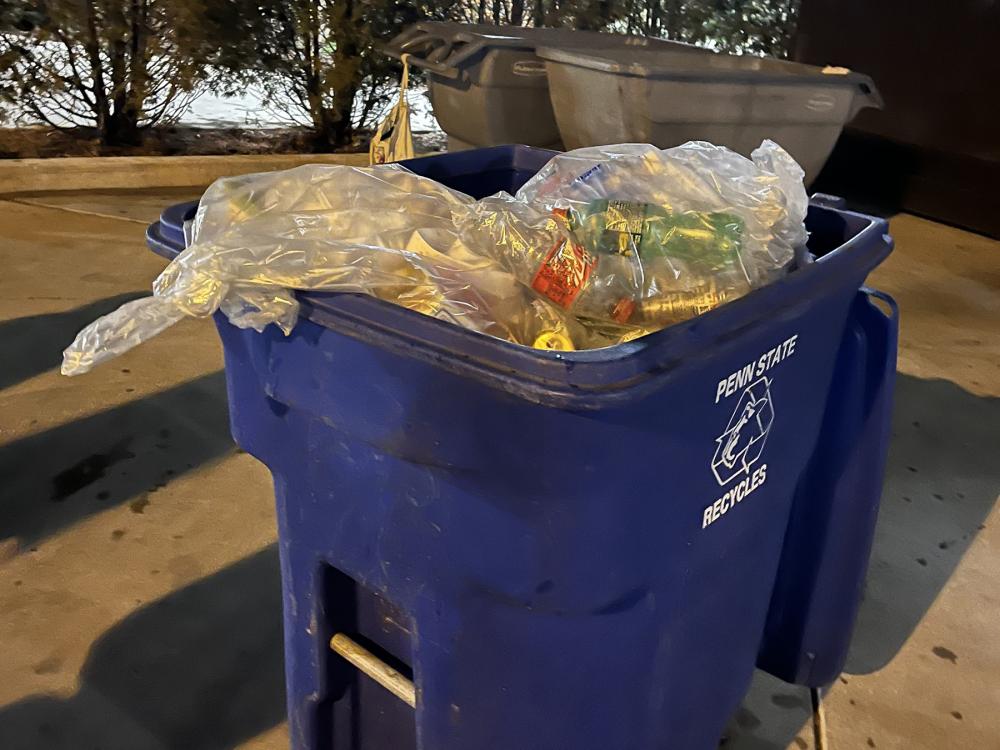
(742, 442)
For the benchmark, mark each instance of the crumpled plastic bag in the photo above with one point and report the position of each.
(659, 235)
(602, 245)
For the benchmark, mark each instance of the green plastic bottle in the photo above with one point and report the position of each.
(690, 260)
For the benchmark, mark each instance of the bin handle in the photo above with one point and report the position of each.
(435, 41)
(828, 201)
(893, 313)
(451, 50)
(869, 95)
(413, 38)
(375, 668)
(441, 69)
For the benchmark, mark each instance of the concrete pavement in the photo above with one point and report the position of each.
(138, 172)
(139, 603)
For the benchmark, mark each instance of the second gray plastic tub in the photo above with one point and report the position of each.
(607, 95)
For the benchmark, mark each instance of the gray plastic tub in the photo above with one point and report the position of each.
(487, 85)
(603, 96)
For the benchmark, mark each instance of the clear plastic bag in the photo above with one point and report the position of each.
(602, 245)
(652, 236)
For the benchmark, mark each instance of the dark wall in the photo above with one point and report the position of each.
(935, 148)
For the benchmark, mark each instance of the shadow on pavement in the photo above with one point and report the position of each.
(35, 343)
(200, 669)
(942, 480)
(55, 478)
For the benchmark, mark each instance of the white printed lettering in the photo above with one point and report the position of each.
(760, 475)
(737, 494)
(740, 446)
(731, 384)
(720, 390)
(740, 378)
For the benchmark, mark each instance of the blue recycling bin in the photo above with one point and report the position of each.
(585, 550)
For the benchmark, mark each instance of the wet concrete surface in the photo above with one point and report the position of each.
(139, 601)
(139, 206)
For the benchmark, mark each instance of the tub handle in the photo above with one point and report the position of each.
(440, 52)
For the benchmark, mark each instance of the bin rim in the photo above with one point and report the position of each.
(667, 64)
(527, 37)
(587, 379)
(600, 378)
(455, 47)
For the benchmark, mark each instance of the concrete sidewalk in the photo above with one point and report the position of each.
(139, 587)
(138, 172)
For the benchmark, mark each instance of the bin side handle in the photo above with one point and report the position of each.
(893, 306)
(375, 668)
(440, 69)
(829, 536)
(828, 201)
(441, 46)
(868, 95)
(451, 50)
